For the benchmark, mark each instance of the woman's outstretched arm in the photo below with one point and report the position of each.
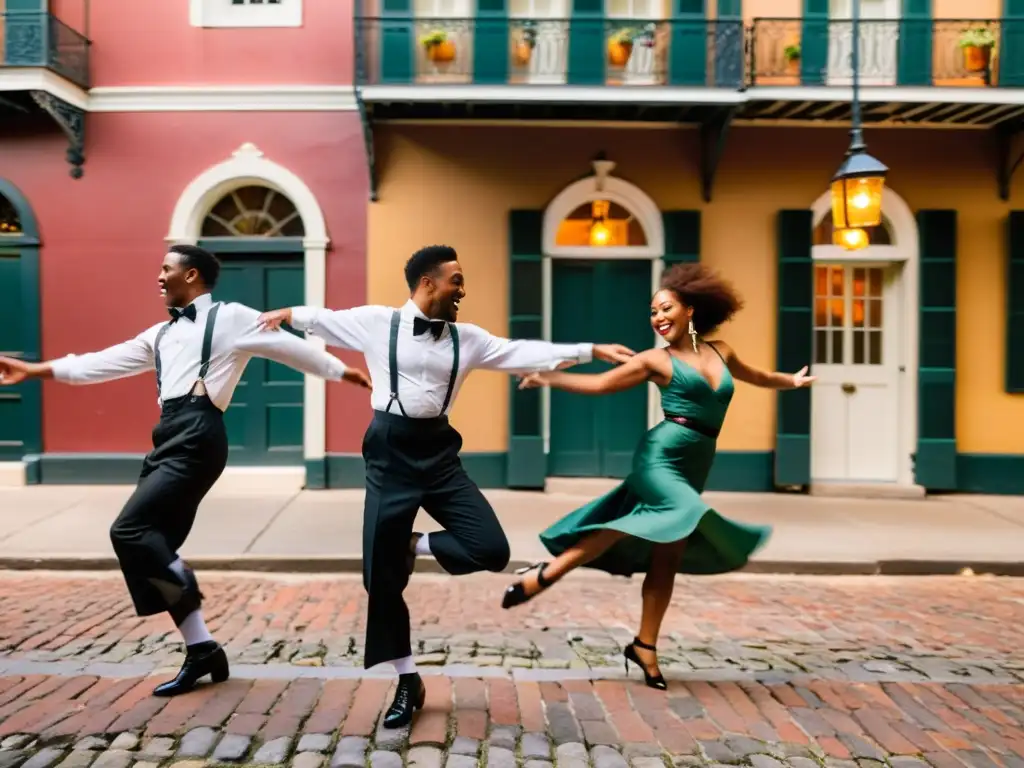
(637, 370)
(760, 378)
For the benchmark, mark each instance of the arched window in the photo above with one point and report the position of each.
(600, 223)
(880, 235)
(253, 212)
(10, 222)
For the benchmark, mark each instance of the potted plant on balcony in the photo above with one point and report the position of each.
(792, 54)
(440, 50)
(977, 46)
(522, 49)
(620, 46)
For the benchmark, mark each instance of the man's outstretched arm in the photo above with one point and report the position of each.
(519, 355)
(120, 361)
(344, 328)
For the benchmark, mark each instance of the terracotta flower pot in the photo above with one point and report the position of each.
(792, 66)
(521, 53)
(976, 59)
(619, 52)
(441, 53)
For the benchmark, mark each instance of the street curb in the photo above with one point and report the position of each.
(331, 564)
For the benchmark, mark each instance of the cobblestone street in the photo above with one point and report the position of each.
(763, 671)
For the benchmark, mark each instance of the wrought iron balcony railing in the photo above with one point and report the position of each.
(32, 39)
(906, 52)
(406, 50)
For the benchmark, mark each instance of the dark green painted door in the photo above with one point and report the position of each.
(603, 301)
(264, 420)
(15, 418)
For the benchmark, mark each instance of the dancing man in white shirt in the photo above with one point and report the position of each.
(418, 357)
(198, 356)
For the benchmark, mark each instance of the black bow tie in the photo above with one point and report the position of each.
(177, 314)
(421, 325)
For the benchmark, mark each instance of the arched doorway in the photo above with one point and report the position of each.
(864, 404)
(603, 243)
(269, 232)
(20, 406)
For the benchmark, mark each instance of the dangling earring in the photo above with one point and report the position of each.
(693, 335)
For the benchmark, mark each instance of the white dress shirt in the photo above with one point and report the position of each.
(236, 339)
(425, 365)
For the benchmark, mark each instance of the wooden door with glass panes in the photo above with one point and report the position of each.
(879, 40)
(450, 24)
(641, 20)
(855, 413)
(540, 40)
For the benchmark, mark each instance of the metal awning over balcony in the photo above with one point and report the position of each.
(44, 66)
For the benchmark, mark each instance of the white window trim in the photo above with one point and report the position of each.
(221, 14)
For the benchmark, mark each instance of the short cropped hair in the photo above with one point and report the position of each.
(426, 262)
(201, 260)
(712, 298)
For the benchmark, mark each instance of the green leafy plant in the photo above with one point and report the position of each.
(979, 37)
(625, 35)
(791, 52)
(436, 37)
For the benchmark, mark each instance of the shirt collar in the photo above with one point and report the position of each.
(412, 310)
(203, 301)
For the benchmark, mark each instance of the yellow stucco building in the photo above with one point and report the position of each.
(723, 155)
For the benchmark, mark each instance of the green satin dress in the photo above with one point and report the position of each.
(660, 500)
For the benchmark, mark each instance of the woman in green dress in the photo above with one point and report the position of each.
(655, 522)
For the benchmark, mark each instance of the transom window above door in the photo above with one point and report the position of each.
(10, 223)
(848, 307)
(245, 13)
(600, 223)
(881, 235)
(253, 212)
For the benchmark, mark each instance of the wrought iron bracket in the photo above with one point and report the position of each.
(713, 133)
(366, 118)
(1009, 161)
(71, 120)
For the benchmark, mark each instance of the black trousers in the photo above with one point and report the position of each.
(413, 463)
(190, 450)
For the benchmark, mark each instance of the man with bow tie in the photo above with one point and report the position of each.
(199, 357)
(418, 356)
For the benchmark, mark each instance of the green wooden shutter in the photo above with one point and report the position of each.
(682, 236)
(935, 460)
(25, 32)
(793, 345)
(397, 42)
(688, 49)
(490, 43)
(527, 462)
(915, 44)
(1015, 304)
(814, 42)
(1011, 44)
(587, 43)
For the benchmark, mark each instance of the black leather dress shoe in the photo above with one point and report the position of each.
(200, 659)
(409, 697)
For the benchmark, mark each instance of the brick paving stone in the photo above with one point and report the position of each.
(78, 758)
(44, 758)
(425, 757)
(314, 742)
(307, 760)
(907, 762)
(572, 750)
(127, 741)
(687, 761)
(145, 764)
(538, 764)
(631, 751)
(606, 757)
(497, 757)
(802, 762)
(273, 752)
(156, 748)
(393, 739)
(17, 741)
(114, 758)
(464, 746)
(503, 737)
(11, 758)
(765, 761)
(460, 761)
(717, 751)
(562, 723)
(535, 745)
(350, 752)
(188, 764)
(385, 760)
(232, 748)
(91, 742)
(197, 743)
(647, 762)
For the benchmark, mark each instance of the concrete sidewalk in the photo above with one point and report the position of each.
(251, 523)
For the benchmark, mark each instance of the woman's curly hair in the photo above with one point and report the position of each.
(713, 299)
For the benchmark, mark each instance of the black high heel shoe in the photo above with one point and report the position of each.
(516, 594)
(652, 681)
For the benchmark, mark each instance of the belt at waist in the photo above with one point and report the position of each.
(406, 422)
(694, 425)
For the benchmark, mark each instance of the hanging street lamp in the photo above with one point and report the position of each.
(857, 185)
(850, 239)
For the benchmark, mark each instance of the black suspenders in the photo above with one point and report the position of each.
(396, 319)
(204, 364)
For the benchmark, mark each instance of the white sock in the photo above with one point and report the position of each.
(423, 545)
(178, 566)
(194, 630)
(404, 666)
